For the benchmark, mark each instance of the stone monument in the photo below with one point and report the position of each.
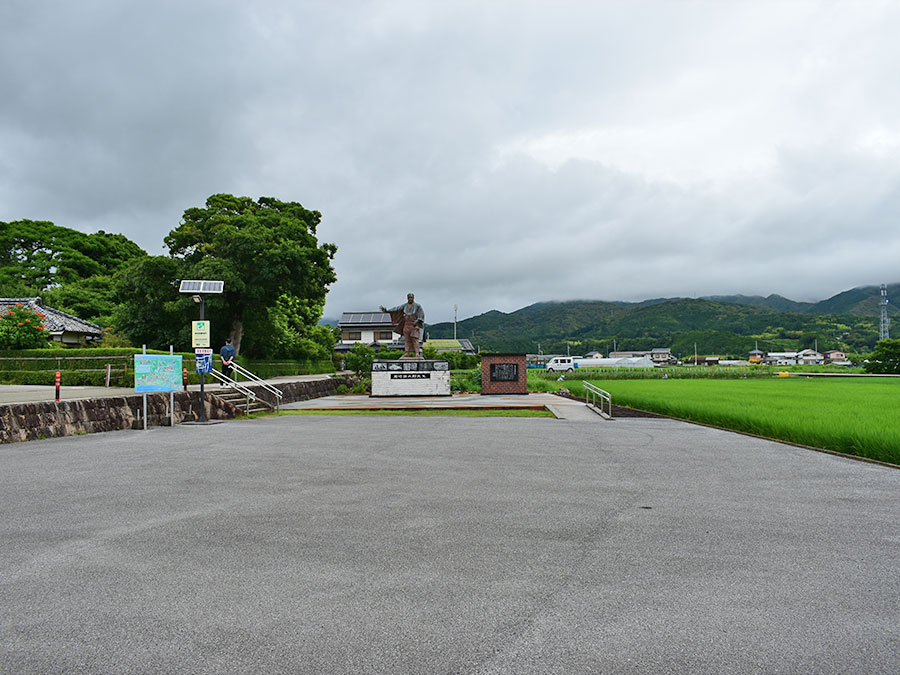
(412, 374)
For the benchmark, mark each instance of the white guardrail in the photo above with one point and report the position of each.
(593, 395)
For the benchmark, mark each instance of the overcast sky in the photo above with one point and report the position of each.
(484, 154)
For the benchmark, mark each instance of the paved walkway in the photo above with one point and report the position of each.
(29, 393)
(562, 408)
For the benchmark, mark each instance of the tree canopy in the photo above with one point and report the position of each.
(266, 252)
(885, 358)
(37, 255)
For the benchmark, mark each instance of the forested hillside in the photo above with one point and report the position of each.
(717, 327)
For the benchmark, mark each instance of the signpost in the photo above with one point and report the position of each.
(198, 288)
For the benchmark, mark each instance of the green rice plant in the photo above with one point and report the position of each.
(859, 416)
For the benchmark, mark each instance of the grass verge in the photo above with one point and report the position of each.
(855, 416)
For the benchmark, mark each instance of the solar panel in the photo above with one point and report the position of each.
(201, 286)
(188, 286)
(365, 319)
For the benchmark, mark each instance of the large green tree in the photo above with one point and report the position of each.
(70, 270)
(266, 252)
(885, 358)
(37, 255)
(149, 309)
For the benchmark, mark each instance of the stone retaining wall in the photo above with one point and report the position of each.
(47, 419)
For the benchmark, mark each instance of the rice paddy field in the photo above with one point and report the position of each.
(858, 416)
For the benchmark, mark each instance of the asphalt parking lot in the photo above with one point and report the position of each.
(314, 544)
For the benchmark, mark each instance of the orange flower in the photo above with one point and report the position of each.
(27, 320)
(19, 324)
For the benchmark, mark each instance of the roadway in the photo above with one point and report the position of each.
(315, 544)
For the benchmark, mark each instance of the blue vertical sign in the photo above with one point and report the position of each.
(204, 360)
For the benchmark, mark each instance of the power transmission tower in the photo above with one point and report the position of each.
(885, 332)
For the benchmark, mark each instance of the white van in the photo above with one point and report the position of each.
(561, 364)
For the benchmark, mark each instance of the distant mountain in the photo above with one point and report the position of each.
(862, 301)
(773, 301)
(724, 325)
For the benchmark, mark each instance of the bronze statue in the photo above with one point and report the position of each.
(409, 320)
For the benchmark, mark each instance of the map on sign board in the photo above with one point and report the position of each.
(154, 372)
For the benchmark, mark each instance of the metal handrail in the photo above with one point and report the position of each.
(234, 384)
(275, 391)
(592, 393)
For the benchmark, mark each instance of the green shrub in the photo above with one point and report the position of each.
(465, 381)
(359, 359)
(22, 328)
(364, 386)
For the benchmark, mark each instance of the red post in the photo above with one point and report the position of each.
(184, 378)
(57, 386)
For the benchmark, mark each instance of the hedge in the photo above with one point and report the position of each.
(39, 366)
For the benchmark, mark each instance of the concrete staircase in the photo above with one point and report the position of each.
(239, 400)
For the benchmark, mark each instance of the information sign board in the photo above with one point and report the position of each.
(200, 333)
(204, 360)
(157, 372)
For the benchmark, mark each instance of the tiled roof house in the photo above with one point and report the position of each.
(59, 325)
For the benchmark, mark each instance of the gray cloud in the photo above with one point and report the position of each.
(485, 154)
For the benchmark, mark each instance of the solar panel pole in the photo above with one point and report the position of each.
(202, 375)
(198, 288)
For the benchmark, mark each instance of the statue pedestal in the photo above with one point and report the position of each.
(411, 377)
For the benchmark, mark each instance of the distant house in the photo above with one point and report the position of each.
(659, 356)
(807, 357)
(757, 356)
(703, 360)
(662, 356)
(780, 359)
(59, 326)
(810, 357)
(370, 328)
(837, 358)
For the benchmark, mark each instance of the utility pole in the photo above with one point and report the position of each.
(454, 321)
(885, 332)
